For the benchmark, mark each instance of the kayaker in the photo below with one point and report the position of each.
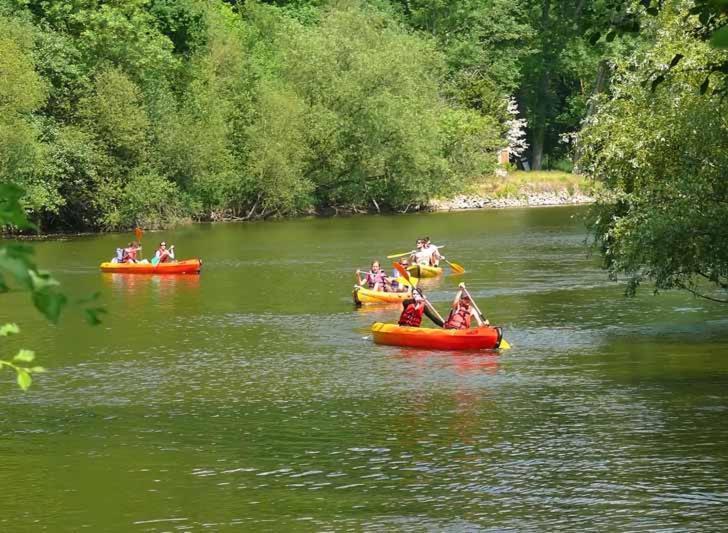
(434, 252)
(375, 279)
(395, 284)
(421, 255)
(164, 254)
(413, 310)
(130, 252)
(462, 312)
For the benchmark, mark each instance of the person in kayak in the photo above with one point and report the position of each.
(421, 256)
(164, 254)
(434, 252)
(462, 312)
(413, 309)
(395, 284)
(375, 279)
(130, 253)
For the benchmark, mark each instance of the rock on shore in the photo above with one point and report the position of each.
(526, 199)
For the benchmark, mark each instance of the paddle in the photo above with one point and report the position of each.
(458, 269)
(406, 275)
(138, 232)
(394, 256)
(504, 345)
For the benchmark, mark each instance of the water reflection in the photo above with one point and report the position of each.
(463, 362)
(163, 285)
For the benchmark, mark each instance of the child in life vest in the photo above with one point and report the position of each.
(462, 312)
(375, 279)
(164, 254)
(413, 310)
(130, 252)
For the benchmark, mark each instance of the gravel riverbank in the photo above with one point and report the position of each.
(525, 199)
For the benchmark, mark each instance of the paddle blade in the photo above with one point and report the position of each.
(138, 234)
(394, 256)
(504, 345)
(155, 260)
(457, 269)
(412, 282)
(402, 271)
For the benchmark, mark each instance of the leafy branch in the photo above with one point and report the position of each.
(22, 371)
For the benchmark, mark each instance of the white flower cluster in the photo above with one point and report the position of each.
(516, 136)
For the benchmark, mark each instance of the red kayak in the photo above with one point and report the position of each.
(482, 338)
(188, 266)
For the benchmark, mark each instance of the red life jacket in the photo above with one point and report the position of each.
(458, 319)
(412, 314)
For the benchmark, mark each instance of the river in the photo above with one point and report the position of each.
(251, 398)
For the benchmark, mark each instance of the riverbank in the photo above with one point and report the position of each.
(522, 189)
(515, 189)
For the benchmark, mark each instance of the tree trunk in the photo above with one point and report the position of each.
(539, 128)
(600, 85)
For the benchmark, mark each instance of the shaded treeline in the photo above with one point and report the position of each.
(136, 112)
(140, 112)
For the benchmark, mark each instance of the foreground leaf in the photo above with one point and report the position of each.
(24, 356)
(24, 379)
(9, 329)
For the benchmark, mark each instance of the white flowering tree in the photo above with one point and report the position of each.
(516, 135)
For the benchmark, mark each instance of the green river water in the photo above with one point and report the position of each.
(251, 398)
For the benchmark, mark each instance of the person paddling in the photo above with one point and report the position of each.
(433, 251)
(130, 252)
(375, 279)
(164, 254)
(421, 256)
(413, 309)
(462, 312)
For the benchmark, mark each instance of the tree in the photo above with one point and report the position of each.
(660, 146)
(569, 65)
(22, 92)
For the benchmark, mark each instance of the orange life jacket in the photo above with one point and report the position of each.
(412, 314)
(458, 319)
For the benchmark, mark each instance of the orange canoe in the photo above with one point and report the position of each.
(482, 338)
(188, 266)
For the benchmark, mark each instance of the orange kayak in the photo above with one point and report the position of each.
(188, 266)
(482, 338)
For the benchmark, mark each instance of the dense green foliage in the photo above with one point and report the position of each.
(141, 112)
(659, 143)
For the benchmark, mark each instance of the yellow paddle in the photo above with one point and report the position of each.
(394, 256)
(458, 269)
(504, 345)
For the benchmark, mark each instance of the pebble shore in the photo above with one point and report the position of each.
(526, 199)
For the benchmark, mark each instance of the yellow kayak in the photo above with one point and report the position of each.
(424, 271)
(368, 296)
